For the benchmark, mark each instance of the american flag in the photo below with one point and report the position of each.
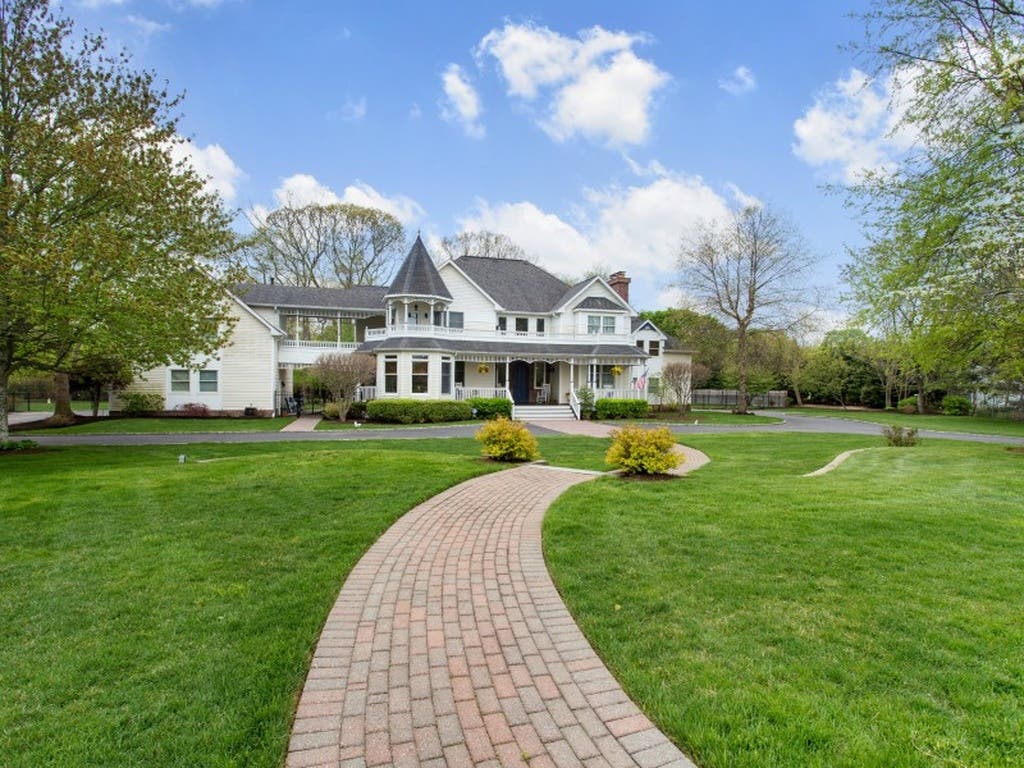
(641, 382)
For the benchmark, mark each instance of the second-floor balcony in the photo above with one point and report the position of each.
(491, 334)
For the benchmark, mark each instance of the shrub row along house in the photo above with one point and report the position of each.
(471, 327)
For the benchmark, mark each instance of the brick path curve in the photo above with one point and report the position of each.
(449, 646)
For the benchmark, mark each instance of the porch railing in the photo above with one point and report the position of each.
(366, 394)
(574, 403)
(620, 394)
(311, 344)
(464, 393)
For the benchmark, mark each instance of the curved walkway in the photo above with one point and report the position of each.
(449, 646)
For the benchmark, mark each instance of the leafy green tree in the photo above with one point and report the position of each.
(711, 341)
(337, 245)
(947, 226)
(105, 241)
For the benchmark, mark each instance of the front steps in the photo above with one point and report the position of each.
(543, 413)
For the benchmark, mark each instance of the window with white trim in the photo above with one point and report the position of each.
(446, 375)
(207, 381)
(608, 324)
(654, 348)
(391, 374)
(600, 324)
(456, 319)
(522, 325)
(540, 326)
(593, 324)
(420, 382)
(179, 380)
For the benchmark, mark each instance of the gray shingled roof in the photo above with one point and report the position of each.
(501, 348)
(517, 285)
(361, 297)
(598, 302)
(418, 276)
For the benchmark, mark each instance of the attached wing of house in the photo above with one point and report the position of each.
(470, 327)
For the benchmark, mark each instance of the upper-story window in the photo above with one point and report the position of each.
(456, 320)
(522, 325)
(540, 326)
(654, 348)
(600, 324)
(502, 323)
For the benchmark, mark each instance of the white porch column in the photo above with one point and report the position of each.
(405, 312)
(572, 374)
(508, 384)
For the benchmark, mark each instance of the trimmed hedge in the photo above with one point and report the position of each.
(505, 440)
(639, 451)
(417, 411)
(612, 408)
(955, 405)
(140, 403)
(491, 407)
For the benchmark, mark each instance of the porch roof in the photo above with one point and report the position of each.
(500, 349)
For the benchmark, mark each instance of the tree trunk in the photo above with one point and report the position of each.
(97, 393)
(920, 395)
(62, 413)
(5, 430)
(797, 395)
(741, 360)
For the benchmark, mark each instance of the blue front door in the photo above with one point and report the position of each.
(519, 375)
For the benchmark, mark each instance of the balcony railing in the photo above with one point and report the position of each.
(493, 333)
(314, 344)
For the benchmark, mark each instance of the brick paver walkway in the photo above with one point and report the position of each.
(305, 423)
(449, 646)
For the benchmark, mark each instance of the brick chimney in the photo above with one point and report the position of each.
(620, 283)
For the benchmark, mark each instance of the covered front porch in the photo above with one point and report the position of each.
(542, 380)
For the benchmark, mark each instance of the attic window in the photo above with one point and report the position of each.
(654, 348)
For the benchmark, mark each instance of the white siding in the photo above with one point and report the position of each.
(478, 310)
(249, 366)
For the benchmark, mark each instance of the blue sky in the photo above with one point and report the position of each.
(593, 133)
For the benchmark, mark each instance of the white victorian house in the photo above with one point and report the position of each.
(470, 327)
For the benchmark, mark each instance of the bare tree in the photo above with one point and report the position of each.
(338, 245)
(493, 245)
(680, 379)
(751, 270)
(341, 373)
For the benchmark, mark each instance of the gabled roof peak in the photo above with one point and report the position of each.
(418, 276)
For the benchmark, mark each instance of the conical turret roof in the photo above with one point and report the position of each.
(418, 276)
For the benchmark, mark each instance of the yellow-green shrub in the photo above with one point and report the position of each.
(505, 440)
(639, 451)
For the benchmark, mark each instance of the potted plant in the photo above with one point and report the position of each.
(483, 368)
(617, 370)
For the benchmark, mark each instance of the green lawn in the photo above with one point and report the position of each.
(869, 617)
(709, 417)
(167, 426)
(981, 425)
(155, 613)
(329, 426)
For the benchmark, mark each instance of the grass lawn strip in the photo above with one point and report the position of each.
(328, 426)
(978, 425)
(836, 462)
(869, 617)
(158, 613)
(183, 425)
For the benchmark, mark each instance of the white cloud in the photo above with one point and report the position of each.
(461, 103)
(741, 81)
(636, 228)
(212, 163)
(100, 3)
(146, 27)
(594, 85)
(415, 113)
(302, 189)
(743, 200)
(351, 111)
(852, 127)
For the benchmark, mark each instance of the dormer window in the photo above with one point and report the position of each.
(604, 324)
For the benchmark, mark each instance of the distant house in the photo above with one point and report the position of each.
(470, 327)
